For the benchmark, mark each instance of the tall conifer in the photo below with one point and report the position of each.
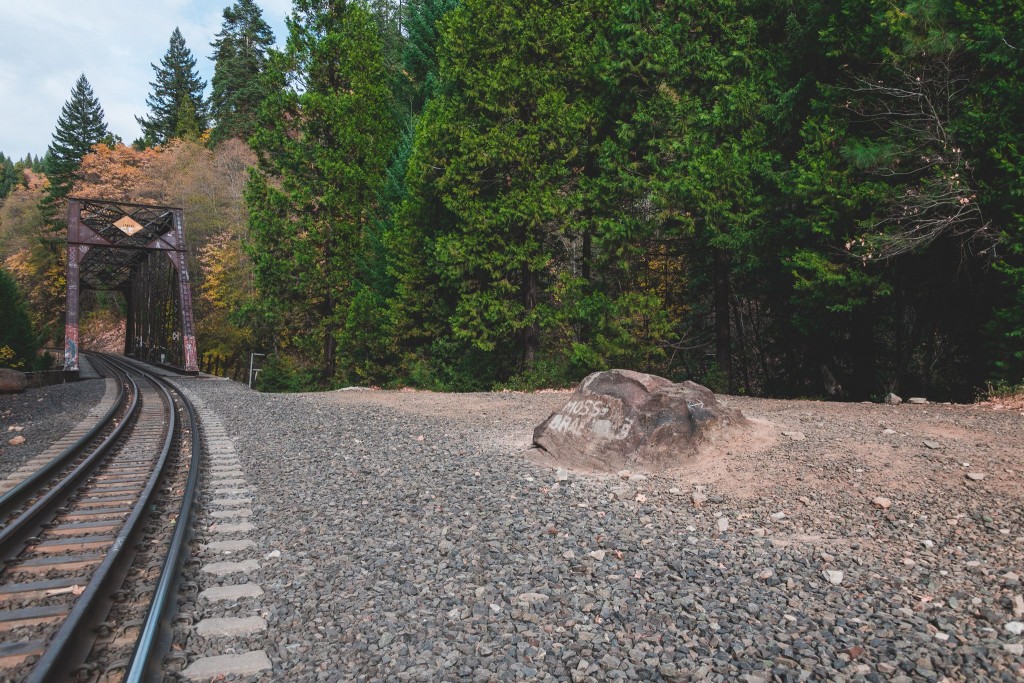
(80, 126)
(323, 152)
(240, 58)
(176, 81)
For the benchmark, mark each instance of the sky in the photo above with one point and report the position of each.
(46, 44)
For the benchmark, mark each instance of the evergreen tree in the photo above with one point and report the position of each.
(495, 174)
(323, 149)
(419, 54)
(8, 176)
(176, 81)
(240, 58)
(81, 126)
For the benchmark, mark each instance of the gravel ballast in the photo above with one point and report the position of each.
(44, 414)
(403, 536)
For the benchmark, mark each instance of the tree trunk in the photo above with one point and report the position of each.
(723, 334)
(330, 344)
(531, 335)
(586, 256)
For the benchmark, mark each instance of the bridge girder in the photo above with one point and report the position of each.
(115, 246)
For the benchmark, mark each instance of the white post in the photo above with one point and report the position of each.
(252, 357)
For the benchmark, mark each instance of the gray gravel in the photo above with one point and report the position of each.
(46, 414)
(449, 557)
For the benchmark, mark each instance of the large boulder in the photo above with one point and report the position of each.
(12, 381)
(620, 419)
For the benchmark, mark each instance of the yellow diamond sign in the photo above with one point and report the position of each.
(128, 225)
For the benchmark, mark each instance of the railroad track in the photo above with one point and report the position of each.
(92, 544)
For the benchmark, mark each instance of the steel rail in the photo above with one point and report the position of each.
(15, 499)
(156, 634)
(72, 642)
(26, 525)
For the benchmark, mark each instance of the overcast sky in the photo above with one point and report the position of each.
(46, 44)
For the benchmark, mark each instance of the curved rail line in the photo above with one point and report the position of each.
(29, 488)
(104, 502)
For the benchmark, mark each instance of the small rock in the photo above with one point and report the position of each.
(889, 432)
(882, 502)
(273, 554)
(637, 477)
(795, 436)
(778, 516)
(917, 401)
(532, 598)
(975, 476)
(892, 399)
(934, 445)
(621, 492)
(16, 441)
(722, 524)
(561, 475)
(1018, 606)
(675, 491)
(765, 574)
(624, 474)
(805, 500)
(1015, 627)
(597, 555)
(834, 576)
(698, 498)
(1014, 648)
(760, 532)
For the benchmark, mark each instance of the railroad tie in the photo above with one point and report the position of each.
(230, 504)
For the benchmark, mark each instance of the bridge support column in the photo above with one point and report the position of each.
(76, 252)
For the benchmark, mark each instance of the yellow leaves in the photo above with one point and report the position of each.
(7, 358)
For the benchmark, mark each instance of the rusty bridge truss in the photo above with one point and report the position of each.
(138, 250)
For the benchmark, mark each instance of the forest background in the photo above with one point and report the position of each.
(771, 197)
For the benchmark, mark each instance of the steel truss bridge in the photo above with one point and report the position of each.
(138, 250)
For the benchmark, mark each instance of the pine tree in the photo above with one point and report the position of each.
(495, 174)
(419, 54)
(240, 58)
(323, 154)
(176, 81)
(80, 126)
(8, 176)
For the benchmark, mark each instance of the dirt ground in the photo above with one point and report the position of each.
(876, 449)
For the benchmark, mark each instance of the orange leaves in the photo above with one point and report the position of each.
(114, 173)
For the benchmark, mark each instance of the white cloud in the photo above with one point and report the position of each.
(46, 44)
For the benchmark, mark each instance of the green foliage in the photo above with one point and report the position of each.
(176, 104)
(81, 126)
(323, 143)
(240, 54)
(9, 177)
(18, 343)
(281, 374)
